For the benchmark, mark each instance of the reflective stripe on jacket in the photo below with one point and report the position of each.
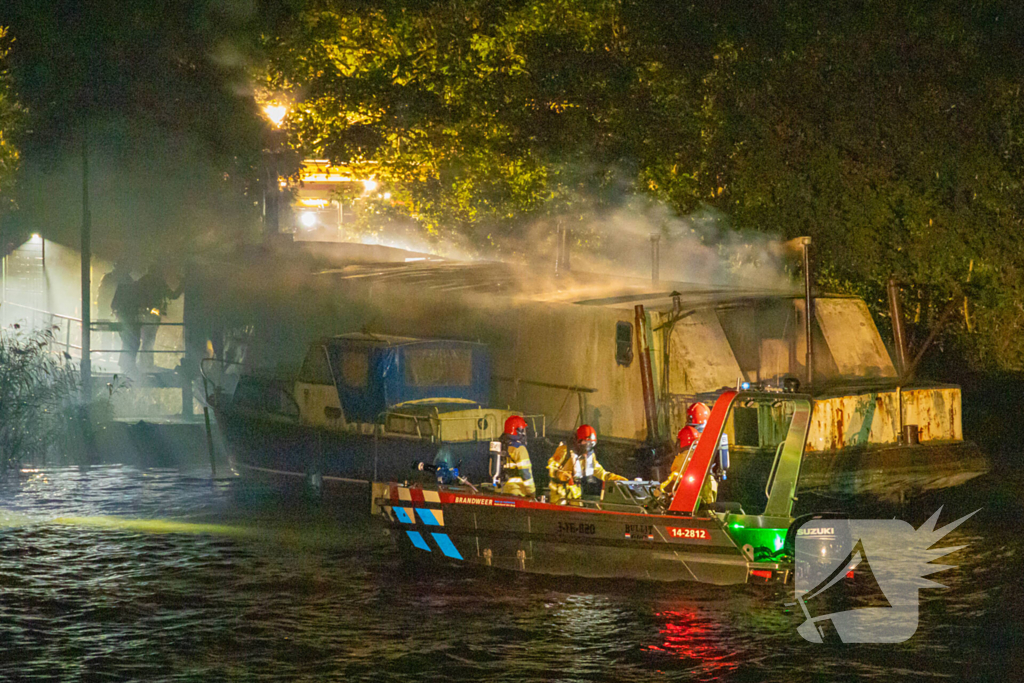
(567, 469)
(518, 472)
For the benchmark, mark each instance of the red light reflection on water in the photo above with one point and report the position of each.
(687, 635)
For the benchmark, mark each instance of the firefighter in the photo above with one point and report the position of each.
(517, 472)
(570, 467)
(154, 297)
(696, 418)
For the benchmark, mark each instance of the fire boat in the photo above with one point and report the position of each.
(631, 530)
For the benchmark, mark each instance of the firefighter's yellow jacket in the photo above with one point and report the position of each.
(708, 491)
(517, 472)
(567, 469)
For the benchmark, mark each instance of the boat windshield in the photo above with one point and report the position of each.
(756, 431)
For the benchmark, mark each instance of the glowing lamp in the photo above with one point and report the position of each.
(370, 185)
(307, 218)
(275, 113)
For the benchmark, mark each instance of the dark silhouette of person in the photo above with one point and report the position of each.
(126, 308)
(154, 297)
(120, 275)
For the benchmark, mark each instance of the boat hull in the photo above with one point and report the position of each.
(282, 451)
(527, 536)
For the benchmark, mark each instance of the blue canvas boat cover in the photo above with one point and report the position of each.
(376, 372)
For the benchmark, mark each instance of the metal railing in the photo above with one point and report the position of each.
(63, 324)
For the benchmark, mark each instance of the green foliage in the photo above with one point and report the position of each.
(486, 114)
(11, 115)
(40, 410)
(891, 133)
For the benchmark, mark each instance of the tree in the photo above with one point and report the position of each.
(892, 134)
(11, 114)
(484, 115)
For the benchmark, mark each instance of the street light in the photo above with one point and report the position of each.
(275, 114)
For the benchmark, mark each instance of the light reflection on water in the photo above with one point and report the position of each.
(155, 575)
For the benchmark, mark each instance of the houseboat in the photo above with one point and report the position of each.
(362, 407)
(574, 348)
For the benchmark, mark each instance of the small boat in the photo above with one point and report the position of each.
(632, 530)
(362, 408)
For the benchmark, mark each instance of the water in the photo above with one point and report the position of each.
(119, 574)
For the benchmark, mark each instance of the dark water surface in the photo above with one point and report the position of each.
(118, 574)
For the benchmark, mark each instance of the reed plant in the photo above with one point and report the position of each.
(42, 414)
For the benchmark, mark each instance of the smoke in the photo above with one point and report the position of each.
(154, 195)
(701, 248)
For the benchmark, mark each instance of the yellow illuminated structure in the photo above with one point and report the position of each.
(325, 199)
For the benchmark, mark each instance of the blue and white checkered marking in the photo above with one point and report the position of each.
(417, 540)
(431, 517)
(446, 546)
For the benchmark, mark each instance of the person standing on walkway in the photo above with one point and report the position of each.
(125, 307)
(154, 297)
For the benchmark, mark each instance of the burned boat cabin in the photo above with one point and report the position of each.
(363, 405)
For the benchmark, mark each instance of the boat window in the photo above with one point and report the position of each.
(745, 426)
(438, 367)
(623, 343)
(409, 424)
(316, 369)
(755, 435)
(265, 395)
(355, 368)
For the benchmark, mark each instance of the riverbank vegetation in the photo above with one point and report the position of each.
(41, 416)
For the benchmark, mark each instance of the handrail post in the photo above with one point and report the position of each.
(808, 310)
(209, 431)
(86, 363)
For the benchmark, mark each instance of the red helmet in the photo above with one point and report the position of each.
(515, 425)
(697, 414)
(688, 436)
(585, 432)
